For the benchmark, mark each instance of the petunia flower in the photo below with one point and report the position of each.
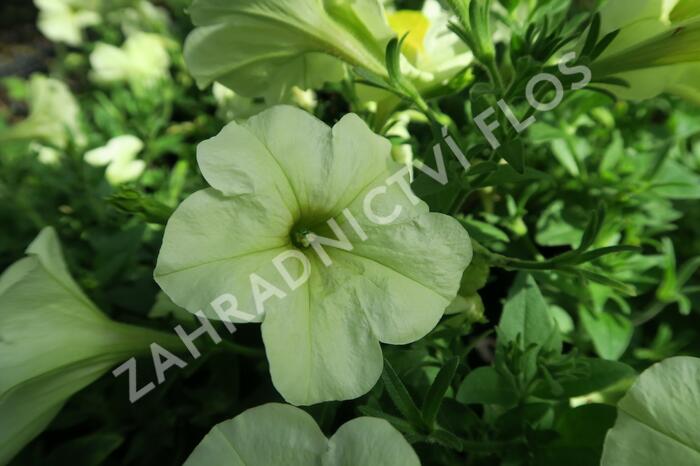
(657, 49)
(142, 61)
(291, 438)
(657, 419)
(273, 45)
(53, 115)
(258, 246)
(64, 20)
(53, 342)
(430, 47)
(119, 155)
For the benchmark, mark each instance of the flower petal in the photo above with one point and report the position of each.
(318, 342)
(281, 435)
(213, 243)
(369, 441)
(408, 274)
(269, 435)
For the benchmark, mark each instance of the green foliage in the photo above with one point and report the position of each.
(142, 134)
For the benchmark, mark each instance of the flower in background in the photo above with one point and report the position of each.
(277, 181)
(119, 155)
(274, 46)
(64, 20)
(143, 16)
(292, 438)
(45, 154)
(430, 47)
(53, 115)
(305, 99)
(657, 49)
(402, 152)
(142, 61)
(53, 342)
(231, 106)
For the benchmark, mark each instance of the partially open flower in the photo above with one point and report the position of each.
(657, 49)
(53, 342)
(315, 232)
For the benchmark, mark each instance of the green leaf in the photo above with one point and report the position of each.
(437, 391)
(485, 385)
(393, 59)
(514, 153)
(592, 37)
(281, 435)
(675, 181)
(601, 252)
(271, 190)
(593, 228)
(658, 418)
(611, 332)
(526, 318)
(581, 434)
(560, 226)
(595, 375)
(399, 395)
(447, 439)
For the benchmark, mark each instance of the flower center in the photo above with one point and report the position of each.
(416, 25)
(301, 237)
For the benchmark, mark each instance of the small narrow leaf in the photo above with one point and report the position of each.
(604, 43)
(598, 253)
(447, 439)
(399, 395)
(437, 391)
(592, 37)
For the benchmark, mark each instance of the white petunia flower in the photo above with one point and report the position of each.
(119, 156)
(142, 61)
(64, 20)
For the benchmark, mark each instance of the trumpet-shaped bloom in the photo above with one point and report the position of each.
(283, 184)
(53, 117)
(65, 20)
(291, 438)
(119, 156)
(142, 61)
(657, 49)
(53, 342)
(274, 45)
